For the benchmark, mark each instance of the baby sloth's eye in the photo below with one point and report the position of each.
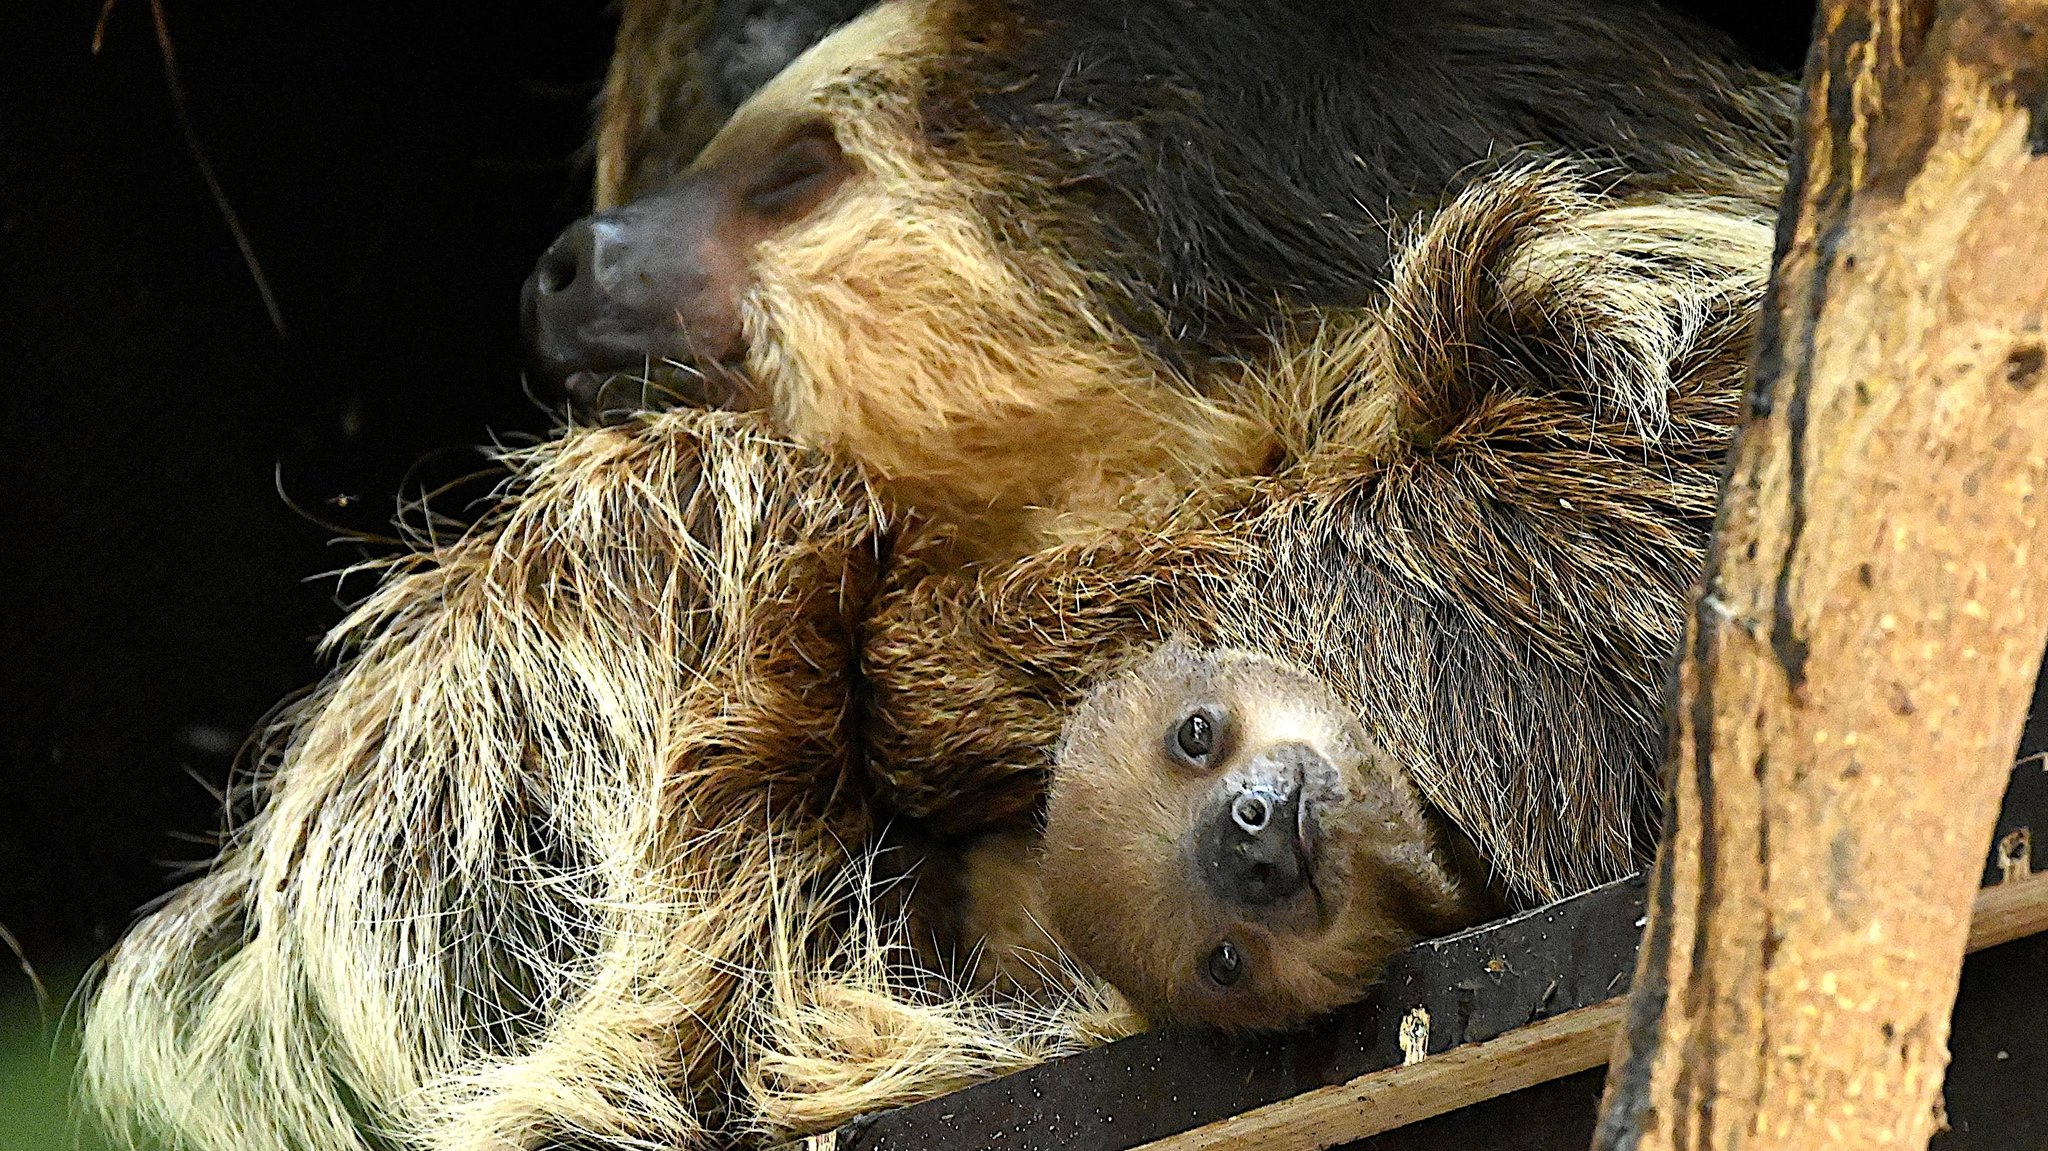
(1195, 738)
(1226, 966)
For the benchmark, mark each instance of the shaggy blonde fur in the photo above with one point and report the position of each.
(950, 404)
(570, 846)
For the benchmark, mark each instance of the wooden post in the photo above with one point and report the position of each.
(1869, 626)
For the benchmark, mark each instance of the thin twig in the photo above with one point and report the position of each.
(99, 28)
(176, 84)
(34, 981)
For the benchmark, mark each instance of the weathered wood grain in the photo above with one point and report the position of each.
(1872, 618)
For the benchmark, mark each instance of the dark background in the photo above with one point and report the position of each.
(397, 167)
(173, 472)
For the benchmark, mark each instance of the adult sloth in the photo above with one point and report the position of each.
(572, 850)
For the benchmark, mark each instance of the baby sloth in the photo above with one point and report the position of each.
(1226, 845)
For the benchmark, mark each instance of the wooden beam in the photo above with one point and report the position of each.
(1507, 1005)
(1548, 1049)
(1473, 987)
(1423, 1088)
(1545, 1050)
(1872, 618)
(2009, 911)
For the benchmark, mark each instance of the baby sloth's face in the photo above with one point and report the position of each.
(1226, 845)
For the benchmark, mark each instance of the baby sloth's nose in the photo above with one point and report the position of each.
(1252, 849)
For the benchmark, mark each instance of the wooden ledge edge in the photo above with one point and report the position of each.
(1383, 1100)
(1538, 1053)
(2011, 910)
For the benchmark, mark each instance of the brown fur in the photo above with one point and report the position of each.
(936, 321)
(657, 110)
(948, 404)
(1522, 452)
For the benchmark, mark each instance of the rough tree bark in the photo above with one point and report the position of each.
(1858, 667)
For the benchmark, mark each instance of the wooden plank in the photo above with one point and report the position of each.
(1509, 1004)
(1550, 1049)
(1475, 986)
(1995, 1095)
(1384, 1100)
(2012, 910)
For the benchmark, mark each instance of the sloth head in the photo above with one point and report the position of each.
(865, 254)
(1006, 253)
(1226, 845)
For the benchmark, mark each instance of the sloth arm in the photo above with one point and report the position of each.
(1495, 576)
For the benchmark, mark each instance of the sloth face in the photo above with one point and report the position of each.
(1226, 845)
(660, 287)
(864, 254)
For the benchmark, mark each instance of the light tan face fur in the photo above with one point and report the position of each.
(971, 380)
(1123, 884)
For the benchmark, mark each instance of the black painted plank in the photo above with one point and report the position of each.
(1996, 1092)
(1476, 985)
